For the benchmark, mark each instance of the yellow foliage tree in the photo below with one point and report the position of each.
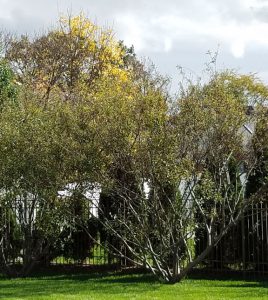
(72, 57)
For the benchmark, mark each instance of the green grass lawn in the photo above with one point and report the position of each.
(81, 287)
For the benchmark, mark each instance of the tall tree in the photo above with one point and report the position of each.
(69, 58)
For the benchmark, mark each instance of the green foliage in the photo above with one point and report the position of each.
(8, 88)
(259, 176)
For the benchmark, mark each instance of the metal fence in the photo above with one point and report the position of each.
(75, 244)
(245, 247)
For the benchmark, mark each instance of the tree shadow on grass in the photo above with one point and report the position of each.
(79, 284)
(232, 281)
(112, 285)
(249, 279)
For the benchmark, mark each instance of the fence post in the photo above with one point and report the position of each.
(243, 243)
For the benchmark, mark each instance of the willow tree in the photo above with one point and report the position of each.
(187, 155)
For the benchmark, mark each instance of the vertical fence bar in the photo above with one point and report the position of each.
(243, 243)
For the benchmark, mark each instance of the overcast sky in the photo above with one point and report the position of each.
(170, 32)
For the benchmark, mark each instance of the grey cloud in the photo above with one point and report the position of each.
(261, 14)
(184, 44)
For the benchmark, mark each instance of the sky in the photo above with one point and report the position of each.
(171, 33)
